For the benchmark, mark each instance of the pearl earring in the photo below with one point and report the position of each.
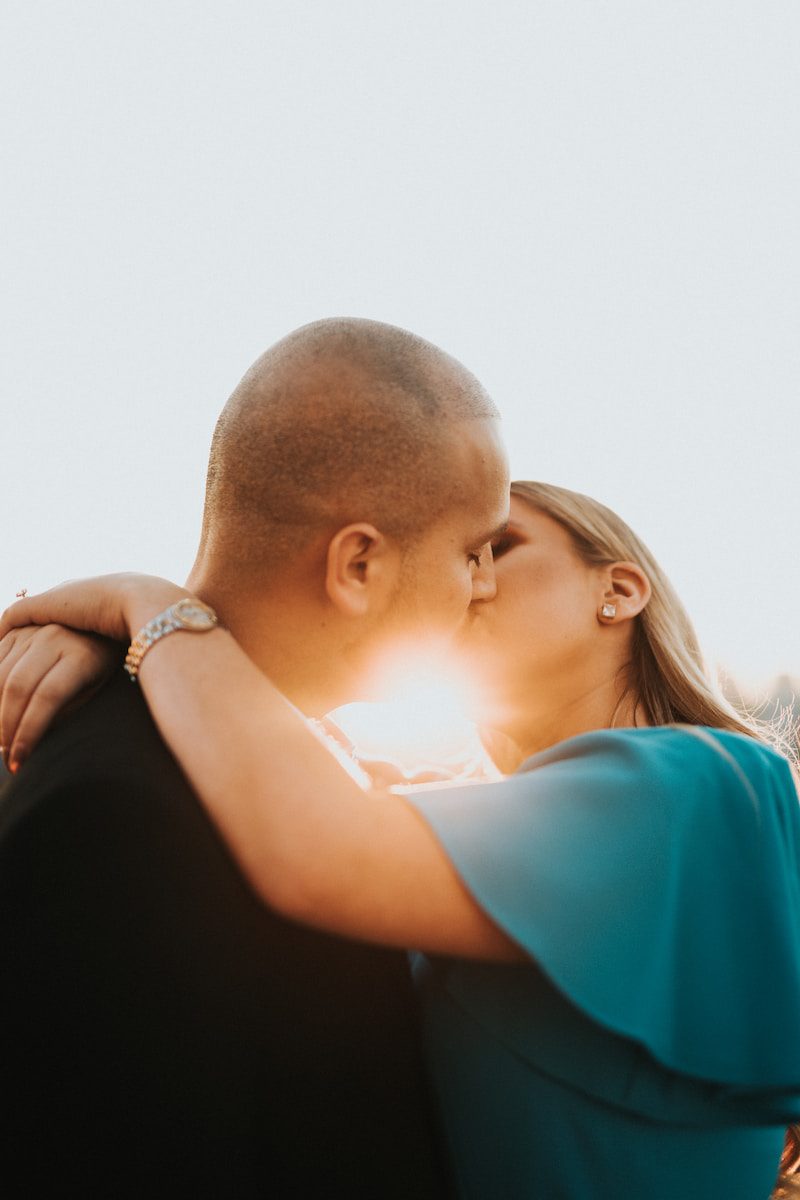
(608, 610)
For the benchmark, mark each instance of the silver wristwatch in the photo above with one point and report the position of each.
(189, 614)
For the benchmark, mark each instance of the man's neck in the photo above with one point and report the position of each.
(281, 640)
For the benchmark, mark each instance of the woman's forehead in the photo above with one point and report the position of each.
(525, 516)
(526, 520)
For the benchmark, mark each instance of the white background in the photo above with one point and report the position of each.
(594, 205)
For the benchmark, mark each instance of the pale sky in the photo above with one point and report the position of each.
(593, 205)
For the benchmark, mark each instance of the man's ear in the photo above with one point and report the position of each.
(626, 591)
(362, 569)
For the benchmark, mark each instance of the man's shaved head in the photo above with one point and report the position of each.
(344, 420)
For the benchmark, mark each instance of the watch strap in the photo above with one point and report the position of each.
(166, 622)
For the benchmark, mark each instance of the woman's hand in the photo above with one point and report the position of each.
(43, 668)
(38, 674)
(385, 774)
(116, 606)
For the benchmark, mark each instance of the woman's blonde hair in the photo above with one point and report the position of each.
(667, 673)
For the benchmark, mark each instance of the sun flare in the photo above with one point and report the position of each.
(421, 726)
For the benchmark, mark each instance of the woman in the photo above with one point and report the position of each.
(611, 937)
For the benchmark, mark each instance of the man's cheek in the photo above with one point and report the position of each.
(458, 601)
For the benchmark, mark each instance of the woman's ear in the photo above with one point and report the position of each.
(626, 591)
(361, 571)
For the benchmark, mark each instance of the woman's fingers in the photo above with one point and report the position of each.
(107, 604)
(33, 610)
(384, 774)
(18, 680)
(39, 677)
(91, 604)
(46, 700)
(12, 644)
(12, 648)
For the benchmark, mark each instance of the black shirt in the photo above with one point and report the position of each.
(161, 1031)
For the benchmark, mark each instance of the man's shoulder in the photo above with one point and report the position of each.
(111, 735)
(102, 797)
(107, 748)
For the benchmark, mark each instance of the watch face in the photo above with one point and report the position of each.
(193, 614)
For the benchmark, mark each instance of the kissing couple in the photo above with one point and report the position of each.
(206, 919)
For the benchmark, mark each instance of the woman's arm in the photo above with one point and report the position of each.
(312, 844)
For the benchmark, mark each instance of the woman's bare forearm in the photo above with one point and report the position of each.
(311, 842)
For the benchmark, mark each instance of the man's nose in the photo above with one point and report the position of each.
(484, 584)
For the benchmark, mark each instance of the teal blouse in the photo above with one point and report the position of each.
(651, 1047)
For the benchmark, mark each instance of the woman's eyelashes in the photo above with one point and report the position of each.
(495, 549)
(504, 543)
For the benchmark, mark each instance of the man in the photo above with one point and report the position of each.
(162, 1032)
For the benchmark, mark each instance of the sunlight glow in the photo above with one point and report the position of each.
(422, 726)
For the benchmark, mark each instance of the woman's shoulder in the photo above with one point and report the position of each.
(683, 839)
(663, 754)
